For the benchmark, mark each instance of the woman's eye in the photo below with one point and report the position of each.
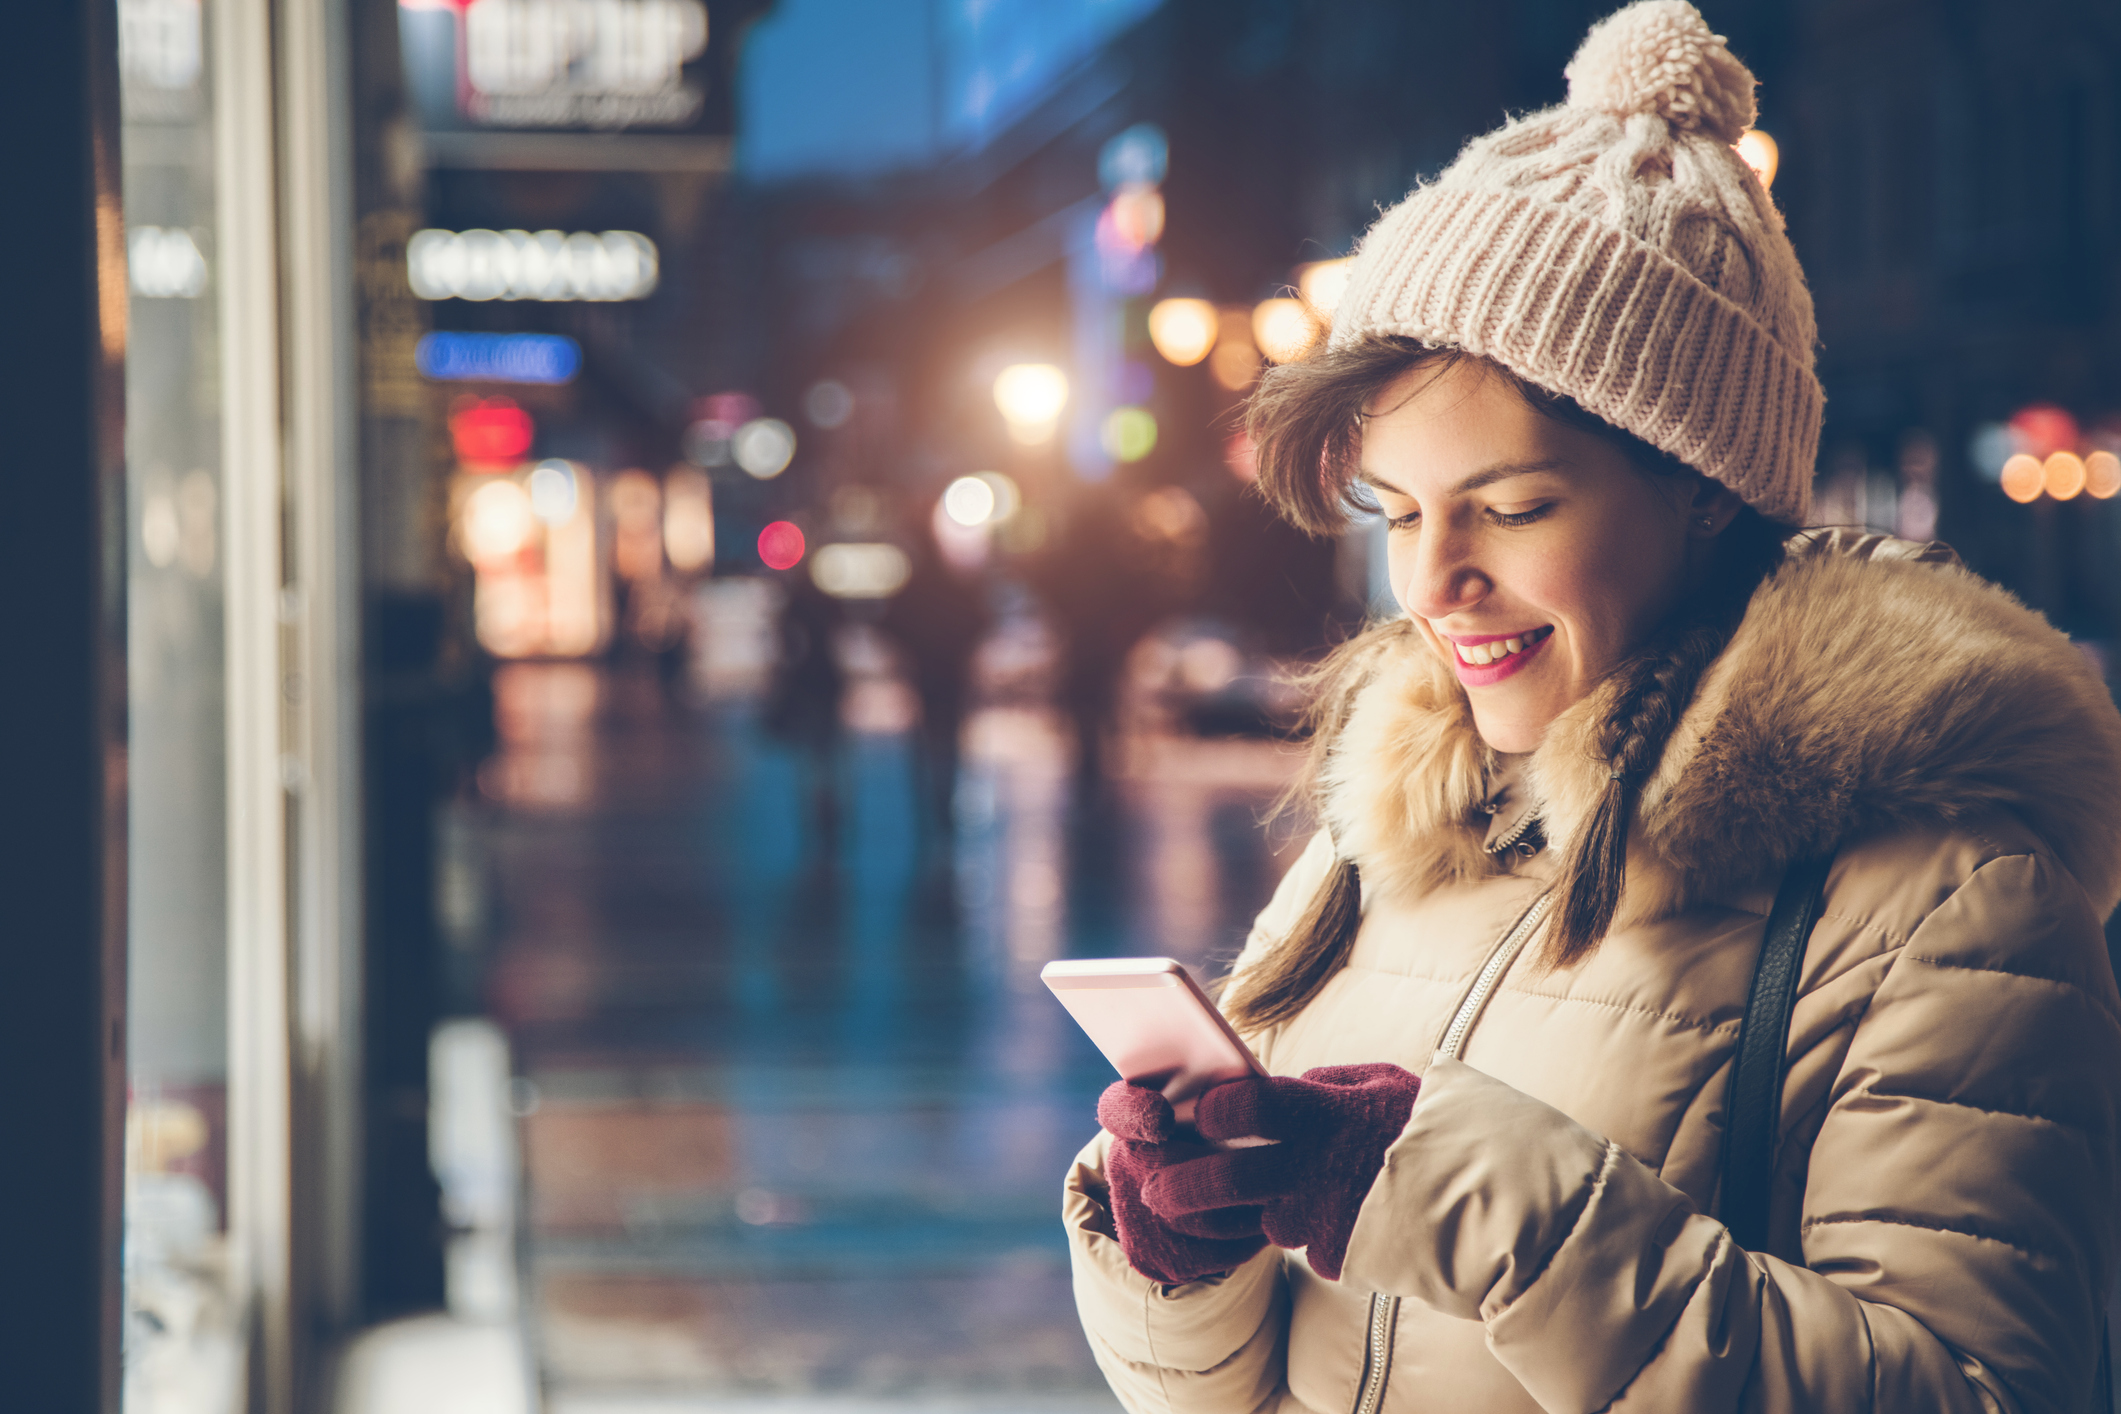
(1405, 522)
(1524, 517)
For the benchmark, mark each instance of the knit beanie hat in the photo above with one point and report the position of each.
(1617, 250)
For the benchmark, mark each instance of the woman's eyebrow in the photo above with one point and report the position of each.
(1486, 476)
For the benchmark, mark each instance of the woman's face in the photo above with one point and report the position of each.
(1536, 555)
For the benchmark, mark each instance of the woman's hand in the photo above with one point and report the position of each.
(1331, 1129)
(1204, 1242)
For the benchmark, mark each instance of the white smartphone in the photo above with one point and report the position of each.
(1154, 1023)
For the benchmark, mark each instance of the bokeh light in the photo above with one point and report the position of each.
(828, 404)
(1007, 498)
(1322, 283)
(2044, 429)
(553, 492)
(2023, 478)
(1183, 330)
(2102, 475)
(763, 447)
(2062, 475)
(860, 571)
(490, 432)
(1283, 329)
(688, 520)
(1128, 434)
(1235, 361)
(781, 545)
(1761, 153)
(498, 522)
(1137, 216)
(1031, 396)
(969, 500)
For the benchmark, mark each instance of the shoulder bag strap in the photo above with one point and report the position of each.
(1753, 1105)
(1753, 1113)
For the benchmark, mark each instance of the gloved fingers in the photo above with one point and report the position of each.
(1377, 1074)
(1229, 1179)
(1174, 1260)
(1251, 1107)
(1217, 1223)
(1136, 1112)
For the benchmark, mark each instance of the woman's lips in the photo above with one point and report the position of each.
(1503, 659)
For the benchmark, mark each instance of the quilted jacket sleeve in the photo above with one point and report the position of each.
(1216, 1345)
(1958, 1223)
(1208, 1346)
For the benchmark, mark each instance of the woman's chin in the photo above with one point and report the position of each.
(1510, 735)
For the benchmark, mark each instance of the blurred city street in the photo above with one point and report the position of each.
(794, 1105)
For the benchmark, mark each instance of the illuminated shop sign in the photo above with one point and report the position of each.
(164, 262)
(602, 64)
(538, 265)
(498, 358)
(159, 45)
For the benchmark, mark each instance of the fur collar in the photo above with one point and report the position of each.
(1867, 687)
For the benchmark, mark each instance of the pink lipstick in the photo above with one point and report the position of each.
(1482, 659)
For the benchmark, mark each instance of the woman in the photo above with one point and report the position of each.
(1559, 795)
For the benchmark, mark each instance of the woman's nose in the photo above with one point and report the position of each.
(1441, 578)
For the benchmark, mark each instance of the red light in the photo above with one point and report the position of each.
(490, 432)
(2044, 429)
(781, 545)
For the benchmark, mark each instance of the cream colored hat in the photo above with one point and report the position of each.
(1617, 250)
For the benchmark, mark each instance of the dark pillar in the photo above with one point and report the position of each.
(62, 768)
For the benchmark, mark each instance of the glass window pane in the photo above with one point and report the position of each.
(181, 1344)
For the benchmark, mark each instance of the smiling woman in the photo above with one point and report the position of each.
(1559, 795)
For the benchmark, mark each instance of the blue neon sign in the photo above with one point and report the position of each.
(499, 358)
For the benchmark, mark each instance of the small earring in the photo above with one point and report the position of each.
(1707, 523)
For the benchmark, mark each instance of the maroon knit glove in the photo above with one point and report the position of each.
(1332, 1128)
(1206, 1241)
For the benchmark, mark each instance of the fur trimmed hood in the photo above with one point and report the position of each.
(1870, 685)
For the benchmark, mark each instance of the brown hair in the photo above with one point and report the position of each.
(1304, 422)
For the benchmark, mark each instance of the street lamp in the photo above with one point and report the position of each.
(1760, 154)
(1183, 330)
(1031, 396)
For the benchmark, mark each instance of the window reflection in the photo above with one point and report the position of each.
(182, 1351)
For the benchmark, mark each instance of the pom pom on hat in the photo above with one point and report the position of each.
(1659, 56)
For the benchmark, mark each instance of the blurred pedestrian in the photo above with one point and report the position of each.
(939, 620)
(802, 706)
(1630, 716)
(1104, 592)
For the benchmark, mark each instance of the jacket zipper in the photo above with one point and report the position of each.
(1384, 1310)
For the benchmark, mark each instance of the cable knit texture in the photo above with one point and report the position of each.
(1617, 250)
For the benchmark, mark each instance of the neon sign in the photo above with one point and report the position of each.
(498, 358)
(542, 265)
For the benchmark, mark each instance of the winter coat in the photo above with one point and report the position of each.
(1543, 1233)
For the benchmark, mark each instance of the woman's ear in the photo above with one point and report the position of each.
(1711, 508)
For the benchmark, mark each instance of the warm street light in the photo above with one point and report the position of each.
(1183, 330)
(1322, 283)
(1760, 154)
(2023, 478)
(969, 501)
(2102, 475)
(1283, 329)
(2062, 475)
(1031, 396)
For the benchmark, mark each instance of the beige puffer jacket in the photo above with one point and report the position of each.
(1543, 1234)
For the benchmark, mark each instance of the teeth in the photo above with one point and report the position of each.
(1479, 655)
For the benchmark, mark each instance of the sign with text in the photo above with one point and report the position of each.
(561, 65)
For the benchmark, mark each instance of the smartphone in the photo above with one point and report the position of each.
(1154, 1023)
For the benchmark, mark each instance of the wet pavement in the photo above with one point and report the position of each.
(796, 1109)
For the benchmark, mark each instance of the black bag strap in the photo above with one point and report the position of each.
(1753, 1104)
(1753, 1113)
